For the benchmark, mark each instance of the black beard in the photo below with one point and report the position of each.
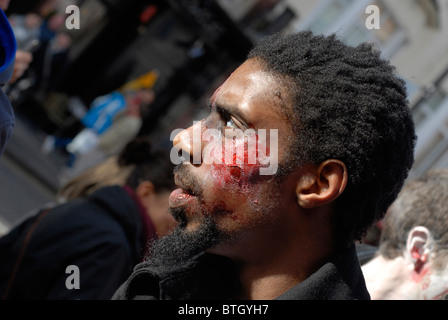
(174, 252)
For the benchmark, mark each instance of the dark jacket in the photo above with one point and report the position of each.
(102, 235)
(211, 277)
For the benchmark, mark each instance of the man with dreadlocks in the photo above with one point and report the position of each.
(345, 140)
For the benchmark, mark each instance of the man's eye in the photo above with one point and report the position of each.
(228, 120)
(230, 123)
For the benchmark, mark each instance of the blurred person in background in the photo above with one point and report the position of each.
(23, 58)
(42, 56)
(102, 226)
(8, 49)
(87, 136)
(125, 126)
(411, 263)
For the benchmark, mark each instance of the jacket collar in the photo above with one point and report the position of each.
(212, 277)
(340, 278)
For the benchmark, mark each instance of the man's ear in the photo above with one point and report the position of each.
(322, 185)
(418, 246)
(144, 191)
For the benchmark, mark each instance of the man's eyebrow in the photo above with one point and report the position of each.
(231, 110)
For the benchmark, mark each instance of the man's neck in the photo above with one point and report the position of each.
(265, 284)
(269, 262)
(276, 273)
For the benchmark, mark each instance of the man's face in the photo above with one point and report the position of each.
(233, 196)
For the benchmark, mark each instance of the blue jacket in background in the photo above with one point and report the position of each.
(8, 47)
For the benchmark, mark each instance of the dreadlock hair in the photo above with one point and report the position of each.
(347, 104)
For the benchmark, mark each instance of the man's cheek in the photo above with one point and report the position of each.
(235, 165)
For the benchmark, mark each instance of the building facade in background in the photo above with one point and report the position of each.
(413, 34)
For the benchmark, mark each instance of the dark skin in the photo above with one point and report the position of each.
(282, 230)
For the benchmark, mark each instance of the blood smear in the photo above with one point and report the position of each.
(239, 170)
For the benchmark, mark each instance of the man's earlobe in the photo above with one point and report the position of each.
(418, 246)
(323, 185)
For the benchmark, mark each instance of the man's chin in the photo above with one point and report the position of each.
(179, 215)
(187, 222)
(172, 252)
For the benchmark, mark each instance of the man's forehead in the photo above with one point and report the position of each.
(250, 80)
(251, 83)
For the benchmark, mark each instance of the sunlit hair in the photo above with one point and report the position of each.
(104, 174)
(135, 164)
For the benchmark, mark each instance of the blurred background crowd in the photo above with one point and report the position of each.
(165, 58)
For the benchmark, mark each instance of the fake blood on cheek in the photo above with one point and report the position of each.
(239, 171)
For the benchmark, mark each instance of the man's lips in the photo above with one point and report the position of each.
(179, 197)
(187, 190)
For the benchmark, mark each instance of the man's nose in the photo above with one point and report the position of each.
(190, 142)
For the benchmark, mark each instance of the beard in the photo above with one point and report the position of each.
(175, 251)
